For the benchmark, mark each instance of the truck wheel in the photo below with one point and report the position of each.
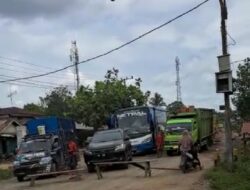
(20, 178)
(91, 168)
(169, 153)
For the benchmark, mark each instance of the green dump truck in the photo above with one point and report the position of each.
(199, 123)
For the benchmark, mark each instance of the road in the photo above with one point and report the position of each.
(132, 178)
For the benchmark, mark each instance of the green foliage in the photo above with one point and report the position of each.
(242, 90)
(92, 106)
(57, 102)
(239, 179)
(5, 174)
(34, 108)
(157, 100)
(174, 107)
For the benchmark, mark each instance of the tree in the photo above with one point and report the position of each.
(241, 97)
(174, 107)
(57, 102)
(157, 100)
(94, 106)
(34, 108)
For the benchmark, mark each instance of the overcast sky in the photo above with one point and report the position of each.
(40, 32)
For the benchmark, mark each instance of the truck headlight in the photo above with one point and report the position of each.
(45, 160)
(88, 152)
(148, 139)
(16, 163)
(120, 147)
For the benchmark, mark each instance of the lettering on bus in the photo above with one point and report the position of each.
(131, 114)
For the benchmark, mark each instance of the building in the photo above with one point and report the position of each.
(12, 128)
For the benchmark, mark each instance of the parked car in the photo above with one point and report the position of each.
(106, 146)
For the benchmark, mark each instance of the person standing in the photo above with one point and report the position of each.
(72, 152)
(160, 142)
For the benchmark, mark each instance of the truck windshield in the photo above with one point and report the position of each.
(178, 128)
(35, 146)
(134, 122)
(106, 136)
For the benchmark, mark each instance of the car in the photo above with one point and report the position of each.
(108, 146)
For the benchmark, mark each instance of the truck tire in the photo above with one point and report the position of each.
(20, 178)
(91, 168)
(169, 152)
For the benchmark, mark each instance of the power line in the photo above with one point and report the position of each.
(115, 49)
(25, 62)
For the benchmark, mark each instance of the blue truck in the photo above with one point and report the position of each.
(141, 125)
(44, 148)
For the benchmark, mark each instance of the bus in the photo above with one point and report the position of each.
(141, 125)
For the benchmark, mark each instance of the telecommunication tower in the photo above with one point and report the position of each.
(178, 80)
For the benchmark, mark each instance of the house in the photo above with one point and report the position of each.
(12, 128)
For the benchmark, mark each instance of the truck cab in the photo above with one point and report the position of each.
(198, 122)
(37, 154)
(44, 148)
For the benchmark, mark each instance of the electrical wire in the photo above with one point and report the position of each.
(112, 50)
(233, 40)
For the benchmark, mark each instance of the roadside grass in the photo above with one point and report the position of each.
(5, 174)
(220, 179)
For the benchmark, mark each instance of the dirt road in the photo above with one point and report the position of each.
(130, 179)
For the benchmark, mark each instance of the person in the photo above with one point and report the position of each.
(194, 152)
(185, 144)
(72, 152)
(160, 142)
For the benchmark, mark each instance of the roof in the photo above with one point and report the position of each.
(17, 112)
(245, 128)
(5, 122)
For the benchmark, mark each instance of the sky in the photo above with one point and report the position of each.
(36, 38)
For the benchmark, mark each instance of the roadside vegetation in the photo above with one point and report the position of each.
(5, 174)
(239, 179)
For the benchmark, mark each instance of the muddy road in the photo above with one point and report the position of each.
(129, 179)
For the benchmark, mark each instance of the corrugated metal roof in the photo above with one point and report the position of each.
(17, 112)
(245, 128)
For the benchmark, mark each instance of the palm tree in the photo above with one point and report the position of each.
(157, 100)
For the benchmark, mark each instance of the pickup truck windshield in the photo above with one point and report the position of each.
(178, 128)
(106, 136)
(35, 146)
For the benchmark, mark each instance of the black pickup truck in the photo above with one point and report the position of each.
(107, 146)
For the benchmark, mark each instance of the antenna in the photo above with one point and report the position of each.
(178, 80)
(74, 57)
(10, 95)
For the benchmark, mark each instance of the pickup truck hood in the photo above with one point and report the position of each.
(104, 145)
(28, 157)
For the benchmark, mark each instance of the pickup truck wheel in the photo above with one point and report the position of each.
(20, 178)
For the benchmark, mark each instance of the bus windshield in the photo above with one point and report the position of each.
(178, 128)
(134, 122)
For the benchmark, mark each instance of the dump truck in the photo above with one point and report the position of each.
(44, 148)
(199, 123)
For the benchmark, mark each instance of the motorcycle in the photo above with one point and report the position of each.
(188, 162)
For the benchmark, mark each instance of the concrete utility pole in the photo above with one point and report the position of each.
(74, 57)
(178, 80)
(228, 131)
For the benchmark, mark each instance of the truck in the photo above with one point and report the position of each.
(141, 124)
(197, 121)
(44, 148)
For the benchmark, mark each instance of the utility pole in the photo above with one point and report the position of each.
(74, 57)
(228, 157)
(178, 80)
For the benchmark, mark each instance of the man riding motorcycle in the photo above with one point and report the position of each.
(189, 153)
